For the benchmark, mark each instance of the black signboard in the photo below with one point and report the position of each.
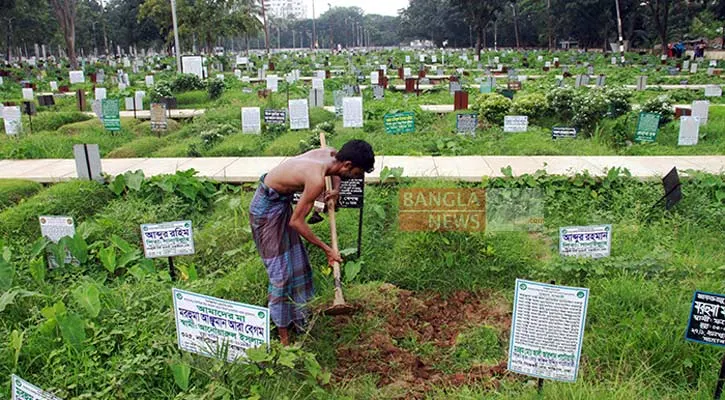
(275, 117)
(351, 193)
(707, 319)
(46, 100)
(563, 132)
(673, 192)
(29, 108)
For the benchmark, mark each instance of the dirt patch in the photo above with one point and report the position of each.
(431, 322)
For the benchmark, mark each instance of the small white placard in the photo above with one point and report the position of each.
(53, 86)
(24, 390)
(515, 123)
(713, 91)
(167, 239)
(352, 112)
(299, 114)
(56, 227)
(585, 241)
(149, 79)
(76, 77)
(99, 93)
(374, 78)
(318, 83)
(251, 121)
(12, 121)
(28, 94)
(272, 83)
(701, 109)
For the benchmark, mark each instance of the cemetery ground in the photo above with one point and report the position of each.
(435, 307)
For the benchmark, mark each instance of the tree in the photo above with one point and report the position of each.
(478, 14)
(65, 12)
(660, 10)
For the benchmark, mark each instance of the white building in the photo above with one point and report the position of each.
(286, 8)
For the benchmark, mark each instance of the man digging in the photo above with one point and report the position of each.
(277, 228)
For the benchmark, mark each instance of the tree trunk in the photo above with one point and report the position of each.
(479, 41)
(65, 12)
(516, 25)
(9, 38)
(70, 43)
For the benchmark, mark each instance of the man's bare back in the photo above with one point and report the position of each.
(303, 170)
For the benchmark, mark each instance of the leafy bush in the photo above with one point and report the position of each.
(534, 105)
(12, 191)
(589, 107)
(77, 199)
(50, 121)
(215, 134)
(493, 107)
(661, 105)
(561, 101)
(618, 98)
(215, 88)
(161, 89)
(186, 82)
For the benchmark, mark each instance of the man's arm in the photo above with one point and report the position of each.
(298, 223)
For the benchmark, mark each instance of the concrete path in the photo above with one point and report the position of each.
(463, 168)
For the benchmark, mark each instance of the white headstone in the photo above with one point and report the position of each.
(352, 112)
(713, 91)
(689, 131)
(53, 86)
(28, 94)
(251, 121)
(149, 80)
(693, 68)
(192, 65)
(99, 93)
(515, 123)
(374, 78)
(12, 121)
(299, 114)
(272, 83)
(76, 77)
(220, 77)
(318, 83)
(407, 59)
(700, 109)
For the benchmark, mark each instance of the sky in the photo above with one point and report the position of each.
(383, 7)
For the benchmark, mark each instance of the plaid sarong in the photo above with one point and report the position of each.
(284, 255)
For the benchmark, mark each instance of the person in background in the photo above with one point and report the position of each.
(276, 227)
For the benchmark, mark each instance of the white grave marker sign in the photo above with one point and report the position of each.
(205, 325)
(689, 131)
(28, 94)
(585, 241)
(352, 112)
(515, 123)
(251, 121)
(24, 390)
(12, 121)
(701, 109)
(547, 329)
(299, 114)
(76, 77)
(167, 239)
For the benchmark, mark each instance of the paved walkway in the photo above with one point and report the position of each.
(464, 168)
(146, 114)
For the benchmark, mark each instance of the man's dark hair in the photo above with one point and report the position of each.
(359, 153)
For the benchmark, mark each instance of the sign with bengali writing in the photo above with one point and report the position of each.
(402, 122)
(648, 125)
(275, 117)
(515, 123)
(159, 120)
(466, 123)
(55, 228)
(689, 131)
(110, 110)
(707, 319)
(24, 390)
(352, 192)
(352, 112)
(250, 120)
(440, 210)
(167, 239)
(547, 329)
(299, 114)
(212, 327)
(585, 241)
(12, 120)
(558, 132)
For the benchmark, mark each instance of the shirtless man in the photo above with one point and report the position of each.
(276, 228)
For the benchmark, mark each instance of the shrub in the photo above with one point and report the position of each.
(159, 90)
(534, 105)
(561, 101)
(661, 105)
(77, 199)
(618, 98)
(141, 147)
(215, 134)
(50, 121)
(589, 107)
(215, 88)
(14, 190)
(493, 107)
(186, 82)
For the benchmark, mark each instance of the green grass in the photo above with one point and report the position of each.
(13, 191)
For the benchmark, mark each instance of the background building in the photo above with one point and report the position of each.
(286, 8)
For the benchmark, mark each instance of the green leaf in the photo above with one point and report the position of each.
(78, 248)
(134, 179)
(287, 358)
(127, 258)
(7, 274)
(108, 258)
(58, 252)
(181, 374)
(123, 245)
(87, 296)
(348, 251)
(73, 329)
(118, 185)
(258, 354)
(9, 297)
(352, 268)
(37, 269)
(39, 246)
(507, 171)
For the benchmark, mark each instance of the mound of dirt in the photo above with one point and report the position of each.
(431, 321)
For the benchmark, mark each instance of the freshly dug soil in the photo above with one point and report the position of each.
(430, 319)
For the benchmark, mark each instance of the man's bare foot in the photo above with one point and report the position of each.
(283, 336)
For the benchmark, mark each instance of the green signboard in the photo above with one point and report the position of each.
(403, 122)
(111, 114)
(647, 127)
